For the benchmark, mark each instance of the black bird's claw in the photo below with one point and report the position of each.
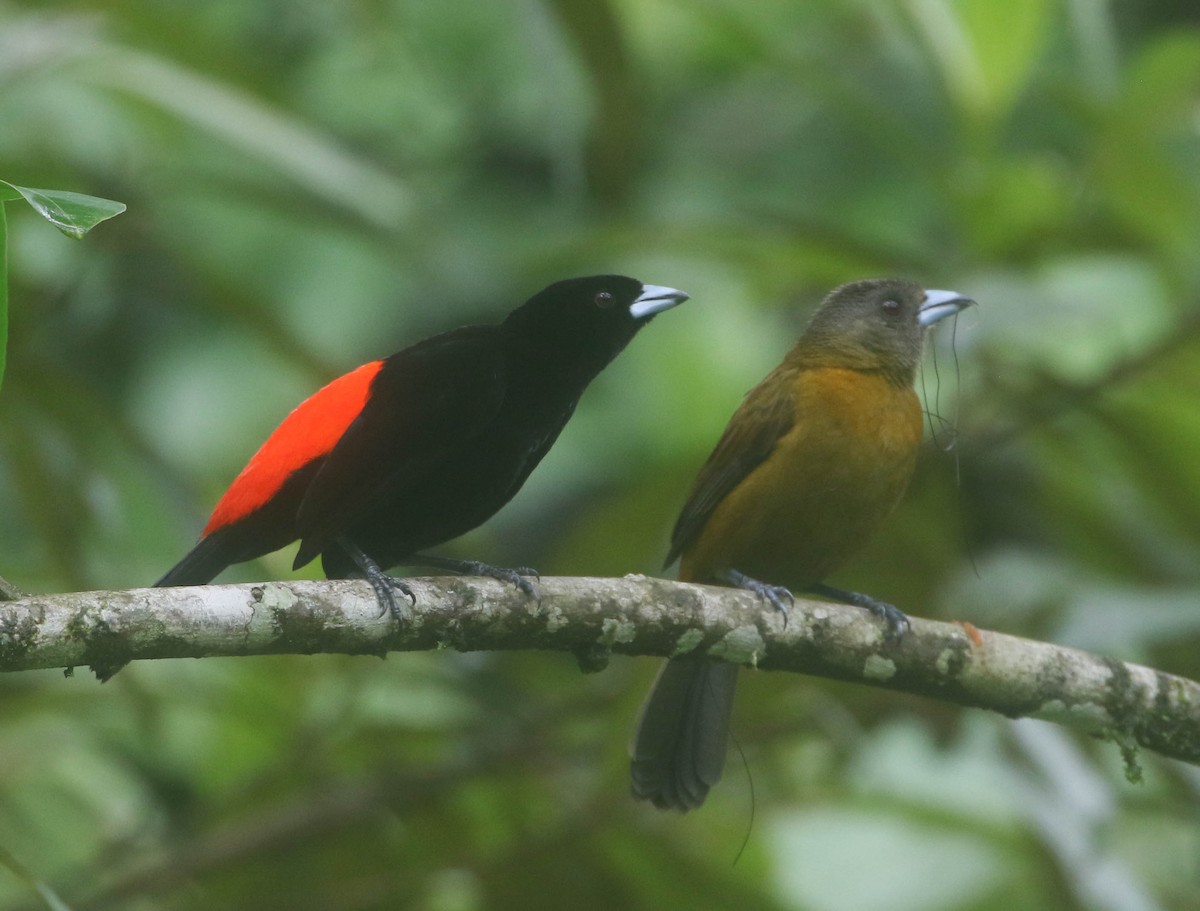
(775, 594)
(896, 620)
(385, 587)
(518, 576)
(478, 568)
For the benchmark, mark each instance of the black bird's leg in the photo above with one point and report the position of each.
(476, 568)
(896, 619)
(380, 581)
(776, 594)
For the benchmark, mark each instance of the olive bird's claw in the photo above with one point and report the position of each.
(897, 621)
(780, 598)
(777, 595)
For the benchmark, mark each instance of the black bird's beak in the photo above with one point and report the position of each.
(940, 304)
(655, 299)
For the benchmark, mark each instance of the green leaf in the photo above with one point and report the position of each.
(47, 895)
(986, 50)
(72, 213)
(3, 287)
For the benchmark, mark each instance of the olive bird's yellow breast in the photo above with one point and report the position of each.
(828, 482)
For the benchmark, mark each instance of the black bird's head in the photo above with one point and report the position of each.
(586, 322)
(877, 324)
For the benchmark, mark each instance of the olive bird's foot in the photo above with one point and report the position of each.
(780, 597)
(518, 576)
(896, 620)
(385, 586)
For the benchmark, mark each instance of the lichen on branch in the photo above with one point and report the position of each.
(1133, 706)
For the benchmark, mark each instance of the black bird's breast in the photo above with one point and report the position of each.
(504, 426)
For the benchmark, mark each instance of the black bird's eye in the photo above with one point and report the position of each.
(604, 300)
(891, 306)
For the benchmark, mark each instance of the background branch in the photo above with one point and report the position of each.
(593, 618)
(8, 591)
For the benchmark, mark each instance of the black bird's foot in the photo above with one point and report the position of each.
(896, 620)
(781, 598)
(385, 586)
(518, 576)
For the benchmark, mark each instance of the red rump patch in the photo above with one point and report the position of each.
(309, 432)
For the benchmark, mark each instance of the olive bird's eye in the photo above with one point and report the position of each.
(604, 300)
(891, 306)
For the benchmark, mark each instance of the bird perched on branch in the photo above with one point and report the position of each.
(410, 451)
(815, 458)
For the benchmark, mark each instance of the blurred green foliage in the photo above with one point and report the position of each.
(314, 184)
(72, 213)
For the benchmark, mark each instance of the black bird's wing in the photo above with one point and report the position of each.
(765, 415)
(424, 402)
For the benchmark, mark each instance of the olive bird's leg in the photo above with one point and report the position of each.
(896, 619)
(781, 598)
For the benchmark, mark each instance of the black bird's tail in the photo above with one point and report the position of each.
(200, 565)
(678, 750)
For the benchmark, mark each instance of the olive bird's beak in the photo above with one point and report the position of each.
(940, 304)
(655, 299)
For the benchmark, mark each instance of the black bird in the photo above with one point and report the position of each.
(407, 452)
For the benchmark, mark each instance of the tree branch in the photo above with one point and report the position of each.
(593, 618)
(8, 591)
